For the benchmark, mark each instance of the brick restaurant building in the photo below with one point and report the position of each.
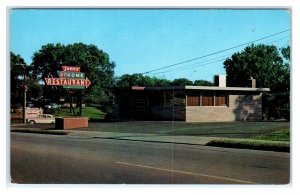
(191, 103)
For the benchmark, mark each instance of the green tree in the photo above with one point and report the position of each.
(34, 89)
(286, 68)
(286, 53)
(182, 82)
(91, 60)
(202, 83)
(261, 62)
(17, 65)
(18, 69)
(128, 80)
(161, 82)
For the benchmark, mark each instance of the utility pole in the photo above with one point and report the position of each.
(24, 92)
(24, 103)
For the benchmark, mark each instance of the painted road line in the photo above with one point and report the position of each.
(187, 173)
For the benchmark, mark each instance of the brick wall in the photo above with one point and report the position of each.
(242, 107)
(71, 122)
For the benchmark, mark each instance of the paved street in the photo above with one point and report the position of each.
(37, 158)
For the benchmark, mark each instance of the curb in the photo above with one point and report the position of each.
(51, 132)
(150, 141)
(251, 144)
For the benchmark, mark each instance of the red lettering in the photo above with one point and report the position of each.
(67, 82)
(71, 68)
(48, 81)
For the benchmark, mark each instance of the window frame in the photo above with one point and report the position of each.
(200, 98)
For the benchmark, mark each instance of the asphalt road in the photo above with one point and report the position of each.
(53, 159)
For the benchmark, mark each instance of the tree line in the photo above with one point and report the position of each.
(267, 64)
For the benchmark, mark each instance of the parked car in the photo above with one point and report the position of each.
(52, 106)
(41, 118)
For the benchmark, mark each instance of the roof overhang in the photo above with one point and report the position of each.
(206, 88)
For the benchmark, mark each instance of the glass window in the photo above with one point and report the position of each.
(221, 99)
(207, 99)
(193, 100)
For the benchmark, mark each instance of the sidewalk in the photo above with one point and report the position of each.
(193, 140)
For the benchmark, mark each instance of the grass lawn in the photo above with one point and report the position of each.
(278, 140)
(92, 113)
(246, 130)
(281, 135)
(280, 146)
(232, 130)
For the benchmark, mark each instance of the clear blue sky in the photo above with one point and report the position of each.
(140, 40)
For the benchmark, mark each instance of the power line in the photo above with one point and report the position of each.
(187, 68)
(209, 61)
(191, 66)
(205, 61)
(198, 64)
(176, 64)
(282, 38)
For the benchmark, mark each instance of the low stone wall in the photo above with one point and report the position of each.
(209, 114)
(71, 122)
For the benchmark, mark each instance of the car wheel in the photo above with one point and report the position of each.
(31, 122)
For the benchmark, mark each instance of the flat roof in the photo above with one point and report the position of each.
(214, 88)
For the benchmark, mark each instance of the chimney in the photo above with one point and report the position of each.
(220, 80)
(251, 83)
